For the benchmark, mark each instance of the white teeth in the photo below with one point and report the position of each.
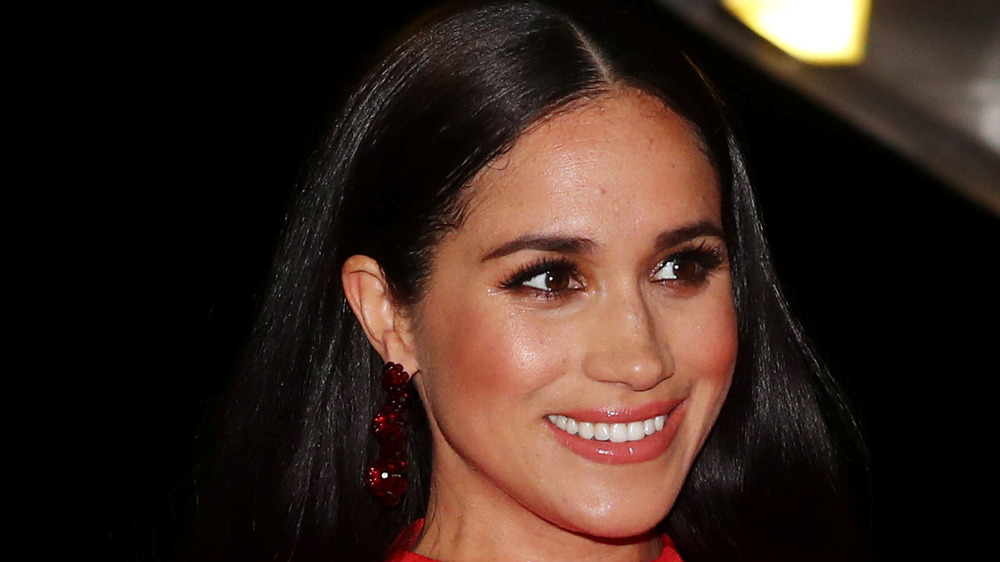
(619, 433)
(614, 432)
(635, 431)
(602, 432)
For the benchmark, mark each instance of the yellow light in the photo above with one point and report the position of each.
(814, 31)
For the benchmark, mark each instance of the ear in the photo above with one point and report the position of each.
(387, 327)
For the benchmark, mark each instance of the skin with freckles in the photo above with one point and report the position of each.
(589, 278)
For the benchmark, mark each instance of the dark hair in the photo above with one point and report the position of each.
(454, 93)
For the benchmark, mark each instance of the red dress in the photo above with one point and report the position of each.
(401, 550)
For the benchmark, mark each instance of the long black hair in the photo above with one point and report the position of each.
(455, 91)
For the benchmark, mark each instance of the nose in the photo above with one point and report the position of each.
(626, 346)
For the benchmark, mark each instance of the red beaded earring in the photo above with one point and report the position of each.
(387, 475)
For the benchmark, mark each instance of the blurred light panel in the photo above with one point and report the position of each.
(813, 31)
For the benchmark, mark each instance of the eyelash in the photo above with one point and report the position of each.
(552, 266)
(706, 257)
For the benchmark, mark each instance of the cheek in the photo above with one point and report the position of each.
(708, 346)
(723, 341)
(477, 360)
(718, 344)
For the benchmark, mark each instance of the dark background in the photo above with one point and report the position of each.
(893, 275)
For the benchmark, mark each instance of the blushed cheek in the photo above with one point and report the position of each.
(726, 340)
(486, 357)
(708, 346)
(721, 345)
(537, 350)
(521, 354)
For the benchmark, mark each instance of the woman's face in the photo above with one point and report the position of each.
(578, 334)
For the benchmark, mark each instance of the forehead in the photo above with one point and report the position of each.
(623, 152)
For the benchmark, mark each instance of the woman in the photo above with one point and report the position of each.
(541, 214)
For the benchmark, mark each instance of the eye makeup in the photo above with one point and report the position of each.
(684, 271)
(547, 278)
(691, 265)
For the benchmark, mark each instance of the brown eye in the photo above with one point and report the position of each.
(688, 268)
(553, 281)
(680, 270)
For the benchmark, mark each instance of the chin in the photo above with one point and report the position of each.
(620, 521)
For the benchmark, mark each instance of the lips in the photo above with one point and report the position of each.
(619, 435)
(613, 432)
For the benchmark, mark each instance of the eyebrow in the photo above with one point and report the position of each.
(690, 232)
(544, 243)
(575, 245)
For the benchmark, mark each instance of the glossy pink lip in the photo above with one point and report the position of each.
(612, 414)
(606, 452)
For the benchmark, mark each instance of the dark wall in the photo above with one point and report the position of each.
(213, 113)
(890, 272)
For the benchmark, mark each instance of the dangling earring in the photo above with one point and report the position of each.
(387, 475)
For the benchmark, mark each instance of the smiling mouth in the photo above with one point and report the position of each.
(613, 432)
